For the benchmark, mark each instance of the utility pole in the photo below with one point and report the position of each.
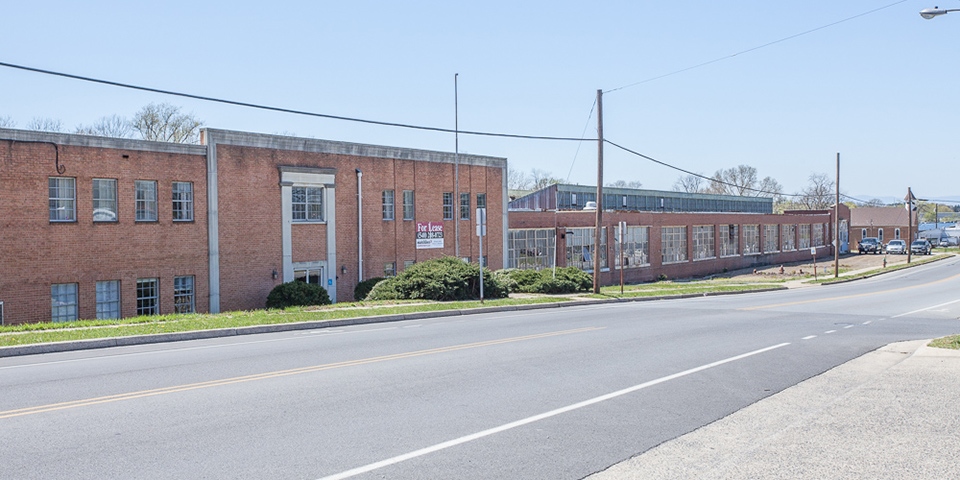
(909, 199)
(836, 226)
(596, 231)
(456, 168)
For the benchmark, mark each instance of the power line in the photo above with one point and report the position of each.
(286, 110)
(585, 126)
(784, 39)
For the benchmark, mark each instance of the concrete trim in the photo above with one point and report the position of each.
(213, 228)
(76, 140)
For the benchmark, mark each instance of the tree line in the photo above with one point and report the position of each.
(158, 122)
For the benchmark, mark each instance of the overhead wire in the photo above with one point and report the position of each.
(585, 126)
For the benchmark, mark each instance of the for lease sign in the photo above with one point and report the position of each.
(429, 235)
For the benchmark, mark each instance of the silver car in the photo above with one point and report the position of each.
(896, 246)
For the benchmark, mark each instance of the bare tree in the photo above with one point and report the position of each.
(517, 180)
(742, 181)
(45, 125)
(542, 178)
(625, 184)
(164, 123)
(112, 126)
(819, 193)
(7, 122)
(874, 202)
(690, 184)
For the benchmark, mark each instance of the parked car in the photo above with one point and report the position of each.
(949, 241)
(897, 246)
(920, 247)
(869, 245)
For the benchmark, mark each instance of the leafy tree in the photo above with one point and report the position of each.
(45, 125)
(165, 123)
(111, 126)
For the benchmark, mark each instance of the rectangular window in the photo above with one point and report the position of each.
(581, 248)
(771, 238)
(104, 200)
(532, 248)
(183, 295)
(448, 205)
(148, 296)
(389, 208)
(703, 242)
(63, 199)
(108, 299)
(182, 201)
(751, 239)
(673, 244)
(390, 269)
(481, 200)
(464, 206)
(408, 205)
(804, 237)
(729, 240)
(307, 203)
(636, 247)
(789, 235)
(308, 275)
(407, 264)
(818, 240)
(63, 302)
(146, 207)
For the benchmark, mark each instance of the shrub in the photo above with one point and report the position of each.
(295, 293)
(363, 288)
(443, 279)
(567, 280)
(385, 289)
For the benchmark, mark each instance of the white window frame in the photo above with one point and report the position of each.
(108, 299)
(105, 200)
(184, 294)
(729, 240)
(464, 206)
(788, 237)
(448, 206)
(636, 247)
(704, 242)
(389, 206)
(409, 206)
(182, 195)
(531, 248)
(673, 244)
(146, 201)
(771, 238)
(580, 248)
(148, 296)
(751, 239)
(64, 302)
(62, 192)
(880, 234)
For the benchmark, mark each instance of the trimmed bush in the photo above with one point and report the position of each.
(292, 294)
(363, 288)
(442, 279)
(568, 280)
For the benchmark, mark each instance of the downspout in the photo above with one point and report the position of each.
(360, 225)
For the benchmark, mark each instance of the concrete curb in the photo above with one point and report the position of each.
(76, 345)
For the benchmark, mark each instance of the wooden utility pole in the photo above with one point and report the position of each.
(596, 231)
(909, 202)
(836, 226)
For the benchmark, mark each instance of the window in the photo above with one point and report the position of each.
(464, 206)
(804, 237)
(896, 234)
(729, 240)
(703, 242)
(636, 247)
(408, 209)
(104, 200)
(146, 201)
(863, 233)
(307, 203)
(581, 248)
(308, 275)
(481, 200)
(407, 264)
(448, 205)
(390, 269)
(880, 234)
(182, 201)
(771, 238)
(673, 244)
(63, 302)
(532, 248)
(63, 199)
(183, 295)
(388, 205)
(817, 235)
(789, 236)
(751, 239)
(108, 299)
(148, 296)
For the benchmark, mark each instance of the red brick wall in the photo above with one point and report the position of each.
(38, 253)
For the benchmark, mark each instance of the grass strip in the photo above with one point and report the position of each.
(951, 342)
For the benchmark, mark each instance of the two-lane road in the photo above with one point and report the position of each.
(554, 393)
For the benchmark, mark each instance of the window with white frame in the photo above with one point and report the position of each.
(183, 294)
(464, 206)
(771, 238)
(313, 275)
(448, 205)
(389, 205)
(863, 233)
(703, 242)
(581, 248)
(481, 200)
(390, 269)
(751, 239)
(108, 299)
(729, 240)
(63, 199)
(104, 200)
(896, 233)
(673, 244)
(63, 302)
(148, 296)
(146, 205)
(531, 248)
(182, 201)
(636, 247)
(804, 231)
(408, 205)
(880, 234)
(789, 236)
(408, 263)
(307, 204)
(817, 239)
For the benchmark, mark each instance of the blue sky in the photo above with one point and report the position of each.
(879, 89)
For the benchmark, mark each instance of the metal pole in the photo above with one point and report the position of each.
(622, 227)
(836, 227)
(909, 223)
(599, 224)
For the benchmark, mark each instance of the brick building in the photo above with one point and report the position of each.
(885, 223)
(94, 227)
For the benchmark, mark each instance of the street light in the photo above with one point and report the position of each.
(929, 13)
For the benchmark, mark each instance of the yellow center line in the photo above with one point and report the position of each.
(845, 297)
(277, 374)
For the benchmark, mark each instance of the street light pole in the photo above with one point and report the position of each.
(596, 232)
(930, 13)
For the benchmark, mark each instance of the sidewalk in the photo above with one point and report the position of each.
(892, 413)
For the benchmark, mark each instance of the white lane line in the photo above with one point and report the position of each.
(808, 337)
(830, 331)
(848, 326)
(867, 322)
(519, 423)
(924, 309)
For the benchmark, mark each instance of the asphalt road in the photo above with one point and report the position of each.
(554, 394)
